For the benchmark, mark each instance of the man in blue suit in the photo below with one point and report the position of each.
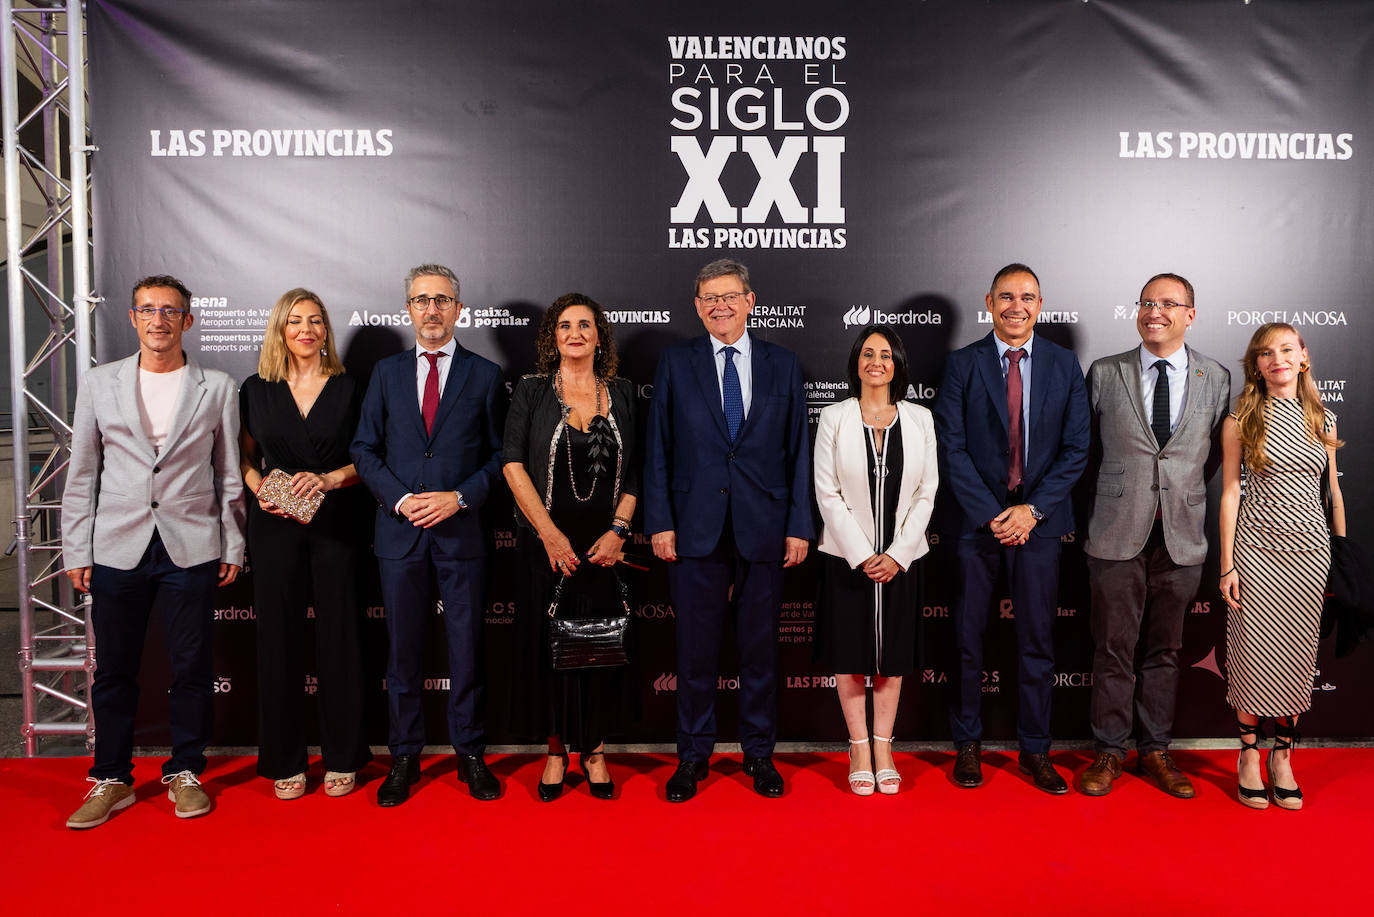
(1013, 430)
(428, 447)
(727, 502)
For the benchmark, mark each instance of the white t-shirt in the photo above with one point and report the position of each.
(157, 402)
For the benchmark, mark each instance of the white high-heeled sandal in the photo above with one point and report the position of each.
(861, 782)
(887, 778)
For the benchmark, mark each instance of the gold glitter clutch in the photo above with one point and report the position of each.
(276, 487)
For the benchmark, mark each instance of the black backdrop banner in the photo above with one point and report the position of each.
(869, 163)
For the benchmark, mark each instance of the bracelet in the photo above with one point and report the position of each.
(620, 520)
(1229, 572)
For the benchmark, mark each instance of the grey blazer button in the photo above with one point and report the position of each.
(156, 469)
(154, 504)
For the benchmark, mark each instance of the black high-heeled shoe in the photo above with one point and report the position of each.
(1285, 737)
(599, 790)
(1255, 799)
(548, 792)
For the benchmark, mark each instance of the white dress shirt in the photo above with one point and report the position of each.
(743, 365)
(1002, 348)
(1178, 382)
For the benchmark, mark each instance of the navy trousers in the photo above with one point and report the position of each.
(702, 599)
(122, 601)
(406, 589)
(1033, 572)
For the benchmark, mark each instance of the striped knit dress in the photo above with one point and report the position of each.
(1282, 554)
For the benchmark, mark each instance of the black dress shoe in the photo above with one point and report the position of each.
(682, 786)
(968, 765)
(404, 773)
(548, 792)
(1042, 773)
(599, 790)
(767, 780)
(482, 783)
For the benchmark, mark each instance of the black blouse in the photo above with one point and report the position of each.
(535, 413)
(286, 440)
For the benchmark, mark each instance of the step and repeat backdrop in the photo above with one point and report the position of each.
(869, 162)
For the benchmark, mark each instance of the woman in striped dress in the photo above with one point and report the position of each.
(875, 473)
(1275, 552)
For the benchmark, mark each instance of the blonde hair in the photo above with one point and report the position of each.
(274, 360)
(1250, 405)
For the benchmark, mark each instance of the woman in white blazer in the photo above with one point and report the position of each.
(875, 479)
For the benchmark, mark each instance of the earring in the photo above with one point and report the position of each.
(323, 352)
(1304, 366)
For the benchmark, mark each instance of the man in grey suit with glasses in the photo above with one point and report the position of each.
(1157, 411)
(153, 513)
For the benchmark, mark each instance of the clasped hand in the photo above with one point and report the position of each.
(1012, 526)
(429, 509)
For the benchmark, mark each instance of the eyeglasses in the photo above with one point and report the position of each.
(728, 299)
(442, 303)
(1166, 306)
(147, 312)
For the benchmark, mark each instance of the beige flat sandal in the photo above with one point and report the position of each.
(289, 787)
(339, 783)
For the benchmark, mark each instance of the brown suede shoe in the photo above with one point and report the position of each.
(1159, 766)
(1097, 779)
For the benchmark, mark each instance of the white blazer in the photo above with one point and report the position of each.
(842, 484)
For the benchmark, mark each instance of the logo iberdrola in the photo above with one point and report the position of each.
(857, 316)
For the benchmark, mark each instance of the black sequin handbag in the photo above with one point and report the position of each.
(588, 643)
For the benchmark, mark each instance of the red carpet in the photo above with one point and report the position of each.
(1003, 848)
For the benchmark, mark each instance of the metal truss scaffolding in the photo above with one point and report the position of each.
(43, 45)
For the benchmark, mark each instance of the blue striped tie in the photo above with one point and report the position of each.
(734, 398)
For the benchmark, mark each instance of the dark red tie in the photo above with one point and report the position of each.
(1018, 461)
(429, 405)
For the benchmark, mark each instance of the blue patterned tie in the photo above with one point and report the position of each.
(734, 398)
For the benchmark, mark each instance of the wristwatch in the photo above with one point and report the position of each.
(1035, 512)
(621, 530)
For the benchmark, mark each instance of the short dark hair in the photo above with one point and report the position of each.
(161, 280)
(723, 267)
(1177, 278)
(1015, 267)
(896, 389)
(605, 364)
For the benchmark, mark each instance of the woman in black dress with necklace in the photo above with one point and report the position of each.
(298, 414)
(571, 464)
(875, 479)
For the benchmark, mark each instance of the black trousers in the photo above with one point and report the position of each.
(702, 598)
(1137, 625)
(290, 563)
(122, 602)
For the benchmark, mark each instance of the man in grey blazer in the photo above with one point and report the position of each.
(1157, 411)
(153, 513)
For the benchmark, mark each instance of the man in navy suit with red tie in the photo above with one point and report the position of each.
(1012, 428)
(727, 502)
(429, 448)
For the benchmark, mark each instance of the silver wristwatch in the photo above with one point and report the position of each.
(1035, 512)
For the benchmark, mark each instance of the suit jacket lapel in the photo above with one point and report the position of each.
(1129, 367)
(990, 368)
(1195, 379)
(704, 368)
(126, 396)
(188, 402)
(760, 369)
(457, 378)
